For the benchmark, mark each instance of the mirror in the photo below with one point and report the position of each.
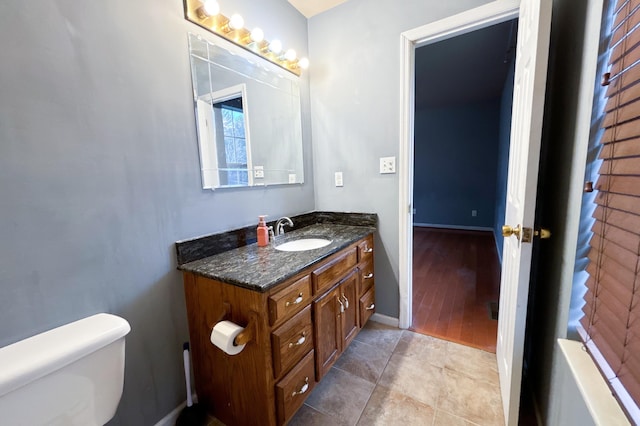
(248, 118)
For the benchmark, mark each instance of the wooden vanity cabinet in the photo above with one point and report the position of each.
(300, 328)
(327, 331)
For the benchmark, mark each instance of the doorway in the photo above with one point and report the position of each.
(463, 102)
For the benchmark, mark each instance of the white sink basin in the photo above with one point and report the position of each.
(303, 244)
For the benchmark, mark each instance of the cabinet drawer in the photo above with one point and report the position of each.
(366, 280)
(290, 300)
(367, 306)
(291, 341)
(331, 273)
(365, 249)
(294, 388)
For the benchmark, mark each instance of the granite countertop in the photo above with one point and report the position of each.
(260, 268)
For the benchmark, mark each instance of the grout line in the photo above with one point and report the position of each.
(376, 384)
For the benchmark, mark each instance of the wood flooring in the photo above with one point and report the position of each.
(456, 276)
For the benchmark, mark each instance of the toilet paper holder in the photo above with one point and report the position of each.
(249, 331)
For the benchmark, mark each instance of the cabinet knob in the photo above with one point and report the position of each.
(368, 250)
(341, 305)
(294, 302)
(298, 342)
(371, 307)
(368, 276)
(303, 389)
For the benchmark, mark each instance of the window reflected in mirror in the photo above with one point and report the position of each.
(248, 119)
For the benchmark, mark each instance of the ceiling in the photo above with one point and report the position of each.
(468, 68)
(313, 7)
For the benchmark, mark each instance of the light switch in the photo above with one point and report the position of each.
(338, 178)
(387, 165)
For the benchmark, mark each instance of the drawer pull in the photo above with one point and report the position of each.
(303, 389)
(341, 305)
(295, 302)
(368, 250)
(371, 307)
(299, 342)
(346, 301)
(368, 276)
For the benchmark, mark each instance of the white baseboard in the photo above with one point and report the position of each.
(383, 319)
(459, 227)
(170, 419)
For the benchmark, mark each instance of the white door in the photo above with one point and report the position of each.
(526, 131)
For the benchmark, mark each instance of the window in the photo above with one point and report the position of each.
(610, 326)
(235, 146)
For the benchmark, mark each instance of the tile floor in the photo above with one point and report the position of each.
(389, 376)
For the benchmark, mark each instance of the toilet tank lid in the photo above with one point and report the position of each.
(29, 359)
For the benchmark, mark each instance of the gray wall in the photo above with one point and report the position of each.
(456, 163)
(355, 93)
(99, 175)
(506, 104)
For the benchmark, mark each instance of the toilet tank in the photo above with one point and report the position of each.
(70, 375)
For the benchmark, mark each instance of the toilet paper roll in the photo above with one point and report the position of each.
(223, 335)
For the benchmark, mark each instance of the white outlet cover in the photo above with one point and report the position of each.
(338, 179)
(292, 178)
(258, 172)
(387, 165)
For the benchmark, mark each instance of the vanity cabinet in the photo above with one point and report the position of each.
(336, 323)
(298, 330)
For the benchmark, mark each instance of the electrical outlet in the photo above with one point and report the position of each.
(338, 178)
(387, 165)
(292, 178)
(474, 213)
(258, 172)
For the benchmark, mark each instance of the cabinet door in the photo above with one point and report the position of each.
(327, 332)
(348, 302)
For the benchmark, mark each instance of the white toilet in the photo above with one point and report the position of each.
(71, 375)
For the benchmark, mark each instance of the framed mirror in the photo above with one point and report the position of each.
(248, 118)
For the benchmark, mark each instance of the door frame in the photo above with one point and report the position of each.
(474, 19)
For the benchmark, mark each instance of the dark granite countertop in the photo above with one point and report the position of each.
(260, 268)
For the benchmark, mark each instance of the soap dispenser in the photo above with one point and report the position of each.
(263, 232)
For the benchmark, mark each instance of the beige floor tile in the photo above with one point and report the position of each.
(426, 348)
(341, 395)
(388, 408)
(364, 361)
(413, 377)
(307, 416)
(381, 336)
(472, 362)
(212, 421)
(442, 418)
(474, 400)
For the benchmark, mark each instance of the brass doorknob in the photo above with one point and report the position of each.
(542, 233)
(508, 231)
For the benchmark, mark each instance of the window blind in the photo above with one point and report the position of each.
(611, 321)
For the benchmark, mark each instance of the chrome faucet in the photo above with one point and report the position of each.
(281, 223)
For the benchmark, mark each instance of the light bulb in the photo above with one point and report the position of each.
(290, 55)
(303, 63)
(275, 46)
(211, 7)
(236, 22)
(257, 35)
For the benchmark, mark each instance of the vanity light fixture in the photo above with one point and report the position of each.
(206, 13)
